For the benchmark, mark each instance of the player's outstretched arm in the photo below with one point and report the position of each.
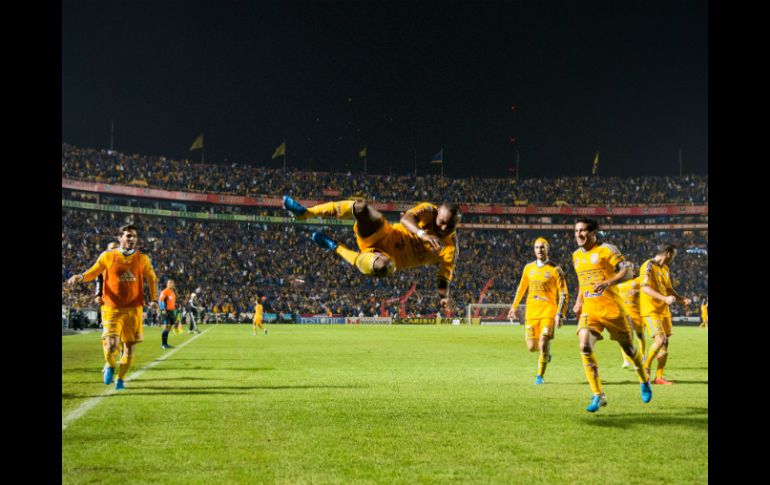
(410, 221)
(442, 285)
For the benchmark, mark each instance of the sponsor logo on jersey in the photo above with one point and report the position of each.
(126, 277)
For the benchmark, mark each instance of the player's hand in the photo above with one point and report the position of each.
(577, 308)
(74, 279)
(686, 301)
(670, 299)
(600, 286)
(512, 314)
(557, 321)
(99, 300)
(435, 242)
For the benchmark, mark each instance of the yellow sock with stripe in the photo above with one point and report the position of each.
(662, 358)
(653, 352)
(591, 367)
(363, 261)
(542, 363)
(112, 358)
(638, 361)
(342, 209)
(125, 363)
(642, 344)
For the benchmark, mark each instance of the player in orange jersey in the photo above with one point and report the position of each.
(167, 302)
(425, 236)
(125, 270)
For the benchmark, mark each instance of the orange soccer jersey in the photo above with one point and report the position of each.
(546, 289)
(123, 278)
(407, 250)
(169, 297)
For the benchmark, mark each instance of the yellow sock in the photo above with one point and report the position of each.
(591, 367)
(662, 358)
(625, 357)
(542, 363)
(125, 363)
(342, 209)
(638, 361)
(112, 358)
(651, 355)
(642, 343)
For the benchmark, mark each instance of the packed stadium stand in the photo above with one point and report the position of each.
(235, 249)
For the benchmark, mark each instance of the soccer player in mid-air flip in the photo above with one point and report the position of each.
(424, 236)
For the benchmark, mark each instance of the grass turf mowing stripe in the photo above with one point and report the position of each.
(94, 401)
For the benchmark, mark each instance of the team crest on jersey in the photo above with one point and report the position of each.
(595, 258)
(128, 276)
(547, 274)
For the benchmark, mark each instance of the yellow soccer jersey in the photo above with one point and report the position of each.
(408, 251)
(258, 313)
(704, 311)
(658, 278)
(629, 293)
(595, 265)
(546, 289)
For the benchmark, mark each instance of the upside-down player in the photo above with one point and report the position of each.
(657, 294)
(629, 294)
(599, 267)
(547, 294)
(424, 236)
(125, 270)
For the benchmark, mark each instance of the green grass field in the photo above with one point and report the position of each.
(380, 404)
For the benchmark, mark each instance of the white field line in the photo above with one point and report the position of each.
(91, 403)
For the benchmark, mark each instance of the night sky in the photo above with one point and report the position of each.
(629, 79)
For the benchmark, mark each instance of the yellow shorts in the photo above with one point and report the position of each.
(125, 322)
(619, 328)
(537, 326)
(384, 240)
(658, 325)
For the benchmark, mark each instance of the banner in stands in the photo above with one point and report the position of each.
(348, 222)
(321, 320)
(266, 201)
(375, 320)
(423, 321)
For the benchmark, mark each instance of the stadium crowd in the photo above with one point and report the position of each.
(249, 180)
(233, 262)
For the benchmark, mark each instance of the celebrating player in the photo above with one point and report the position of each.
(110, 344)
(598, 267)
(125, 270)
(424, 236)
(546, 289)
(654, 301)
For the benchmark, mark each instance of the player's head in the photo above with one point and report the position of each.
(585, 232)
(541, 248)
(447, 218)
(112, 245)
(383, 266)
(170, 284)
(667, 252)
(127, 236)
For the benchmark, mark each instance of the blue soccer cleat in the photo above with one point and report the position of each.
(109, 373)
(291, 205)
(119, 385)
(597, 401)
(324, 241)
(538, 379)
(646, 391)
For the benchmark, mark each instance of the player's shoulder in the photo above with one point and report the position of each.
(609, 247)
(424, 207)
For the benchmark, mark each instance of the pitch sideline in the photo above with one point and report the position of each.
(94, 401)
